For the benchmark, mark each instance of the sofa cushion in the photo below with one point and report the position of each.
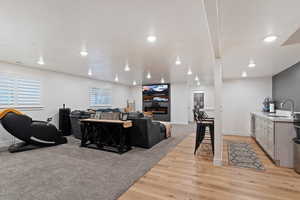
(110, 115)
(135, 115)
(108, 110)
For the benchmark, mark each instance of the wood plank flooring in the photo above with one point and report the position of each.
(181, 175)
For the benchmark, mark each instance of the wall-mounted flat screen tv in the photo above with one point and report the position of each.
(158, 93)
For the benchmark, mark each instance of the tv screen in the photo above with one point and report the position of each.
(156, 92)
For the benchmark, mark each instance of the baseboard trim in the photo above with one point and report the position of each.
(3, 148)
(218, 162)
(179, 123)
(236, 134)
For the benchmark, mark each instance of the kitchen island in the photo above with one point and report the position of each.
(274, 134)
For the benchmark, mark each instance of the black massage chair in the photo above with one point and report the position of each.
(35, 134)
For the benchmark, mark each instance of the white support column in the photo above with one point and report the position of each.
(218, 82)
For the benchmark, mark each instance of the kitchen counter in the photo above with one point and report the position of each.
(275, 134)
(276, 119)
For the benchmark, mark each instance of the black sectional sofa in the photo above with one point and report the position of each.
(145, 133)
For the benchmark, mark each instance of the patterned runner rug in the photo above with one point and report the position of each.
(242, 155)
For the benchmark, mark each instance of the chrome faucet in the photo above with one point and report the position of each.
(292, 106)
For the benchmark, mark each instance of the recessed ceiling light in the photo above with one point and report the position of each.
(134, 83)
(270, 38)
(148, 75)
(90, 72)
(189, 72)
(178, 61)
(198, 83)
(41, 61)
(251, 64)
(84, 53)
(196, 78)
(127, 68)
(151, 38)
(244, 74)
(162, 80)
(116, 78)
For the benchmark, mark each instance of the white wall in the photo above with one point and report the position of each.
(240, 97)
(179, 103)
(58, 89)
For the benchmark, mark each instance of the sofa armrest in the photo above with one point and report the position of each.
(145, 133)
(154, 134)
(155, 123)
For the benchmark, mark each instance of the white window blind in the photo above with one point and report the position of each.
(7, 93)
(100, 96)
(18, 92)
(28, 92)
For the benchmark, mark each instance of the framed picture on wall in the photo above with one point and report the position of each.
(198, 98)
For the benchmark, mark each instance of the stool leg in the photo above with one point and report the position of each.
(199, 136)
(212, 137)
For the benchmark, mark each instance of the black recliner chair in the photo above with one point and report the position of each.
(35, 134)
(144, 132)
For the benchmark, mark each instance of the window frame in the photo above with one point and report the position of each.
(99, 105)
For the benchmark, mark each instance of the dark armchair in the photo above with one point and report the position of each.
(34, 133)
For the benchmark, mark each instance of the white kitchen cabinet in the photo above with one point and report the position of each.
(270, 142)
(263, 132)
(275, 138)
(265, 135)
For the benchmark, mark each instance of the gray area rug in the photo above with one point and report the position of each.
(242, 155)
(68, 172)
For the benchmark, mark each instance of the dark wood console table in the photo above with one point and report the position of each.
(108, 135)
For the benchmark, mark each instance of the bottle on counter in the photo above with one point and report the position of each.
(272, 107)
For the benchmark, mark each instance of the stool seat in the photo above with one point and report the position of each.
(207, 122)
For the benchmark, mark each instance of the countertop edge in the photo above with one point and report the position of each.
(275, 119)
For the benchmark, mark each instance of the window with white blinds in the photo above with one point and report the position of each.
(100, 96)
(19, 92)
(7, 88)
(28, 92)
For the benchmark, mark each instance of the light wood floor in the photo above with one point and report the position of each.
(181, 175)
